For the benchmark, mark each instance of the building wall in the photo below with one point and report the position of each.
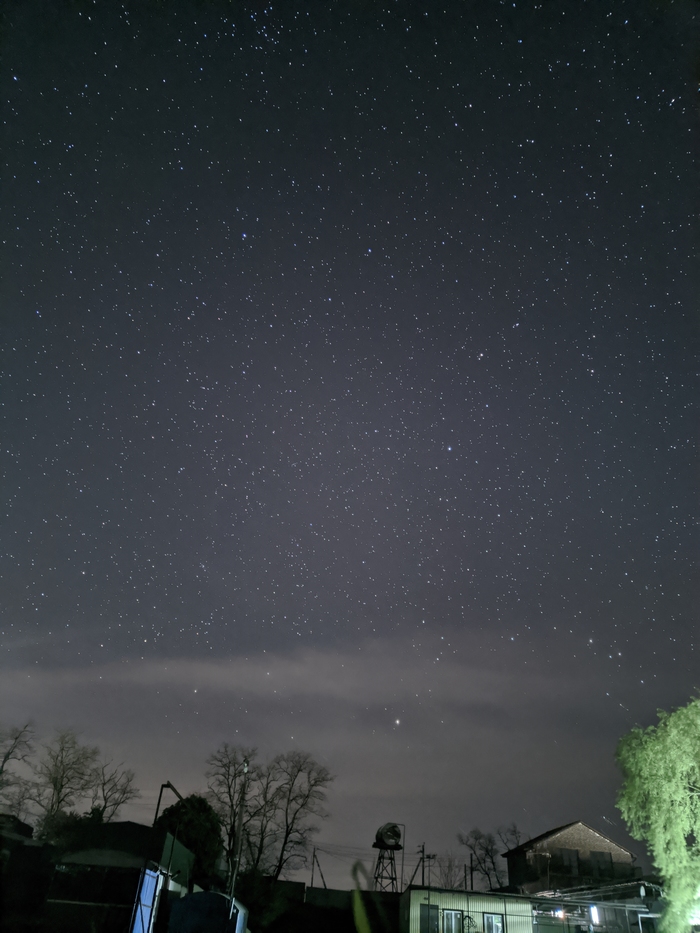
(584, 839)
(574, 856)
(516, 912)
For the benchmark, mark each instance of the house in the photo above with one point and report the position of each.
(439, 910)
(570, 856)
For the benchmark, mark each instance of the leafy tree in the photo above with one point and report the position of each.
(193, 821)
(660, 802)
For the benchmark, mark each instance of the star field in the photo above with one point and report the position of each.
(338, 324)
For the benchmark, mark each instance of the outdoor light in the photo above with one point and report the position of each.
(594, 915)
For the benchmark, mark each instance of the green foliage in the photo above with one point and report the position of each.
(195, 824)
(660, 801)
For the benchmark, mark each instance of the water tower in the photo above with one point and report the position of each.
(388, 841)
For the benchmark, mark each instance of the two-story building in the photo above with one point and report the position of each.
(570, 856)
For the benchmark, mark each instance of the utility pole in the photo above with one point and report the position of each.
(421, 849)
(429, 859)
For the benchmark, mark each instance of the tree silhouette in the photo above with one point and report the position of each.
(63, 775)
(194, 823)
(283, 799)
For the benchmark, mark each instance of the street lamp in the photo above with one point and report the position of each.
(160, 795)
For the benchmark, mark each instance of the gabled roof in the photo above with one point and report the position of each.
(550, 834)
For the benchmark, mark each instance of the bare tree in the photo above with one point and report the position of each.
(486, 860)
(450, 872)
(17, 798)
(226, 780)
(302, 793)
(275, 820)
(16, 745)
(511, 836)
(64, 775)
(112, 787)
(262, 830)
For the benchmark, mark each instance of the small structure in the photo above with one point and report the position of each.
(388, 841)
(439, 910)
(570, 856)
(622, 908)
(117, 880)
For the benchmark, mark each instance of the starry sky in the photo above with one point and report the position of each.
(348, 363)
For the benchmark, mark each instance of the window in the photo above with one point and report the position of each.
(601, 864)
(145, 902)
(429, 918)
(493, 923)
(452, 921)
(565, 861)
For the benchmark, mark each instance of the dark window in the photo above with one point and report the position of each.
(601, 864)
(565, 861)
(429, 918)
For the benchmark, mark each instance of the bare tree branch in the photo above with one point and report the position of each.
(262, 831)
(64, 774)
(302, 793)
(450, 872)
(511, 835)
(486, 856)
(17, 798)
(16, 745)
(112, 788)
(226, 780)
(283, 795)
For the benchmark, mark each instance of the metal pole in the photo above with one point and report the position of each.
(313, 865)
(403, 852)
(240, 828)
(160, 797)
(321, 873)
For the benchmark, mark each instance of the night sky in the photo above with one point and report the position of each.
(348, 370)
